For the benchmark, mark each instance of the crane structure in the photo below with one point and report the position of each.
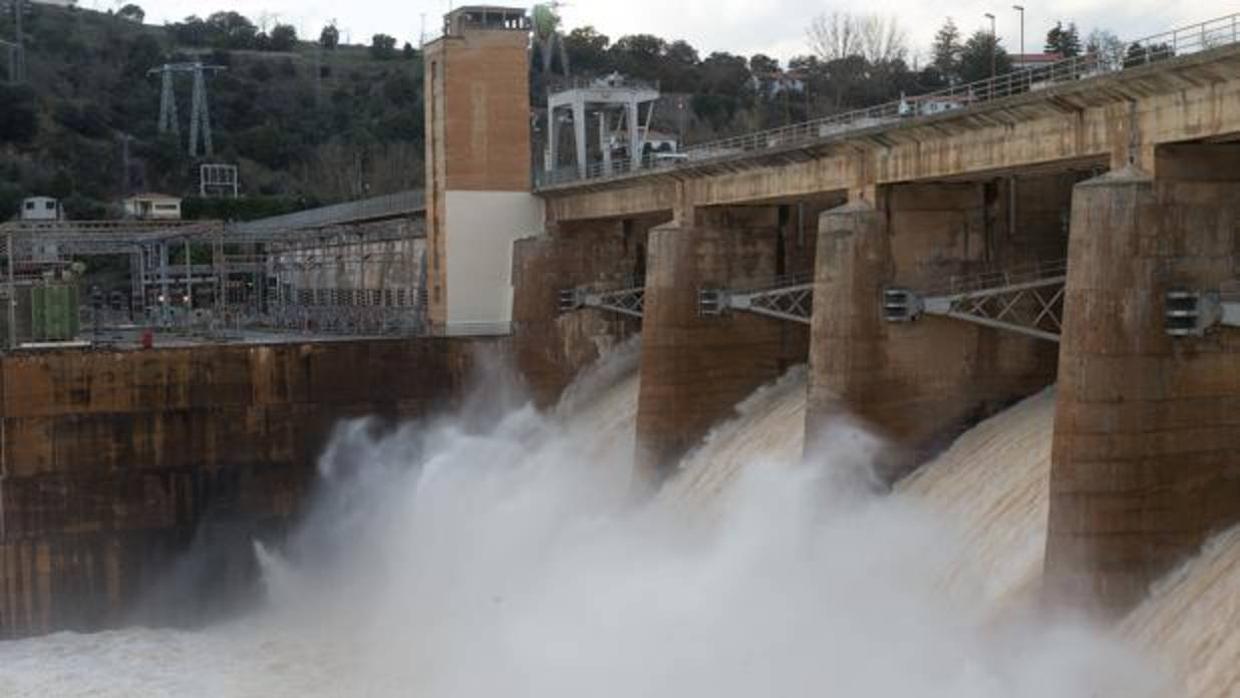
(200, 112)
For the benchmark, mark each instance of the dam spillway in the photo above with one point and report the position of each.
(992, 447)
(511, 541)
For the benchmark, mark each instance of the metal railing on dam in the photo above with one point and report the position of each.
(1215, 33)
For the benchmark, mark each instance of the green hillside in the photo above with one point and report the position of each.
(305, 124)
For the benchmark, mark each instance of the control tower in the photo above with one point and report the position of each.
(478, 166)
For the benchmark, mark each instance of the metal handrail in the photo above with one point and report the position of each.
(779, 282)
(1000, 278)
(1214, 33)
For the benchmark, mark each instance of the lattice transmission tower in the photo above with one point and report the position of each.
(200, 112)
(16, 49)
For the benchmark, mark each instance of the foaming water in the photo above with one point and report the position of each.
(768, 431)
(463, 560)
(1191, 621)
(993, 484)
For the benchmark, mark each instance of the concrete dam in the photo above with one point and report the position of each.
(887, 403)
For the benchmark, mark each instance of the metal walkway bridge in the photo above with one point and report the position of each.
(1027, 300)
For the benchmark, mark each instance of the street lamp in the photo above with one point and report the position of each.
(994, 45)
(1021, 10)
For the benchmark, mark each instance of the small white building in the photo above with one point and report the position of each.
(153, 207)
(41, 208)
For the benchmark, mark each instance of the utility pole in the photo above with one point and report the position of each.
(126, 178)
(1021, 10)
(994, 47)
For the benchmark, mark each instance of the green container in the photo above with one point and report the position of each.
(54, 313)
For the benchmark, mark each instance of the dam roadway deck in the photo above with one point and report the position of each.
(1104, 121)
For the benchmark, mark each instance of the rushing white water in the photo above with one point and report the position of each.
(993, 484)
(1191, 621)
(469, 558)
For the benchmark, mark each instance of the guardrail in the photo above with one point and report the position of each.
(1207, 35)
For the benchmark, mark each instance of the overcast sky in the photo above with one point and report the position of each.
(776, 27)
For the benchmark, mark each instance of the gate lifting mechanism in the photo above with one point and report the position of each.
(791, 299)
(626, 301)
(1027, 301)
(1193, 313)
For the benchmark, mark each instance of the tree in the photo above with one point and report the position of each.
(548, 41)
(639, 55)
(329, 38)
(725, 74)
(132, 13)
(1107, 47)
(834, 36)
(283, 37)
(764, 71)
(19, 122)
(1140, 53)
(946, 51)
(841, 35)
(230, 30)
(679, 67)
(587, 50)
(409, 52)
(1064, 41)
(144, 53)
(975, 59)
(192, 32)
(382, 47)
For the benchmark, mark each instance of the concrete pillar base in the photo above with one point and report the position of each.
(1145, 463)
(914, 385)
(550, 348)
(694, 369)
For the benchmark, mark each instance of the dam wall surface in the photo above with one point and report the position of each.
(115, 465)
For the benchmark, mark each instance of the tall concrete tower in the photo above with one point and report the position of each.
(478, 169)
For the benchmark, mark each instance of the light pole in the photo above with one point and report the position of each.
(994, 45)
(1021, 10)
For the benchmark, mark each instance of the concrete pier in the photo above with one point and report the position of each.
(695, 369)
(1146, 461)
(552, 347)
(917, 384)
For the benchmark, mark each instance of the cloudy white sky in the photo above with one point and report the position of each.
(776, 27)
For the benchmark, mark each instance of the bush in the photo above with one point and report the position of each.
(19, 121)
(382, 47)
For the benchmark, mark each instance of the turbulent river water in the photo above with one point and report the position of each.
(499, 552)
